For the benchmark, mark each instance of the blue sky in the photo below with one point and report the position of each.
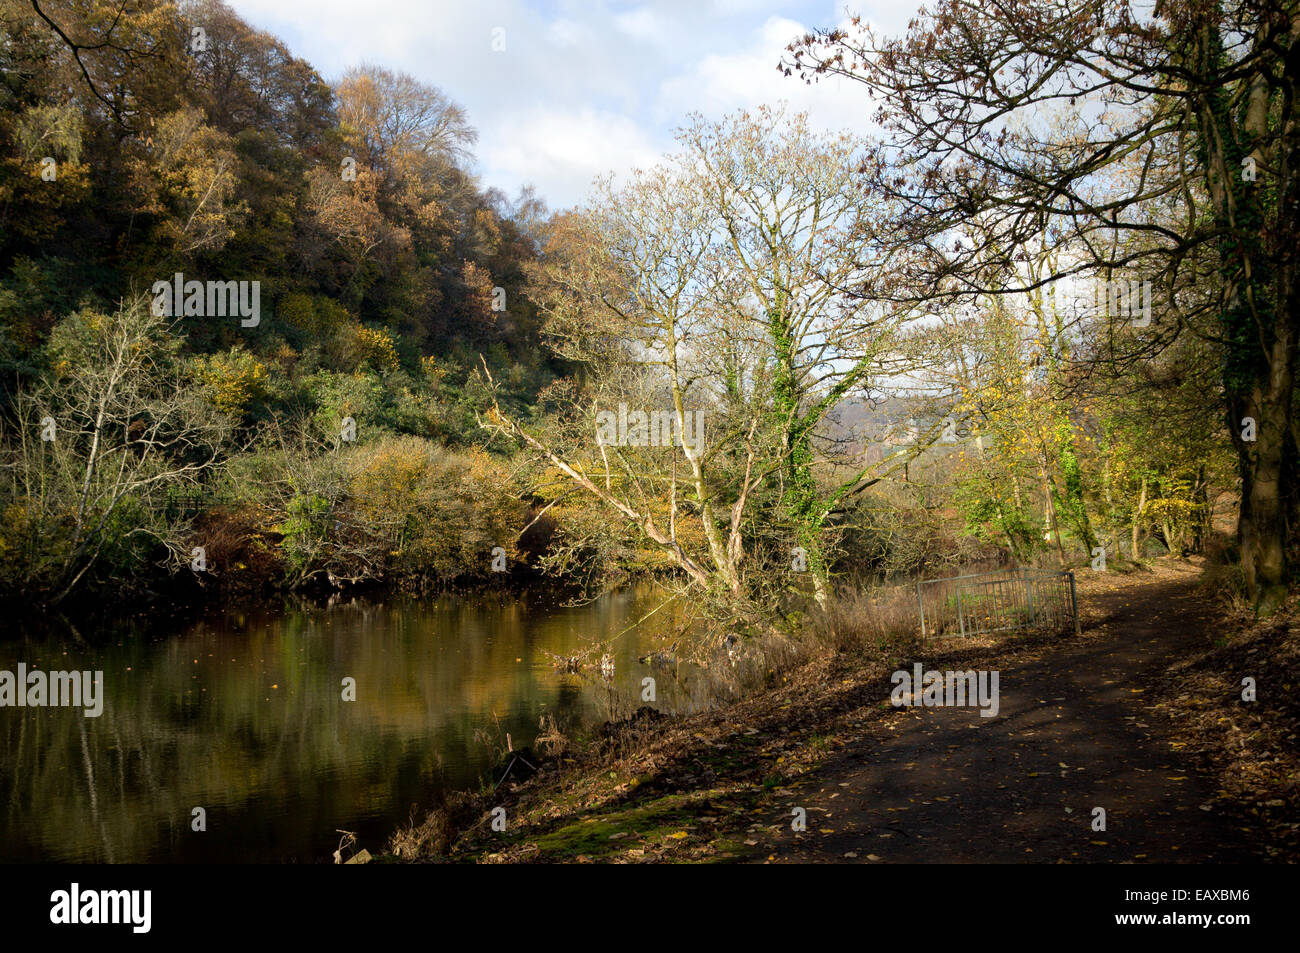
(581, 88)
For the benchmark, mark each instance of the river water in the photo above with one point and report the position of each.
(242, 713)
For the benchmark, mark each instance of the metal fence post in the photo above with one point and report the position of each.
(1029, 596)
(921, 605)
(1074, 604)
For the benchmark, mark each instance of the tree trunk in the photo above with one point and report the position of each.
(1051, 517)
(1264, 556)
(1257, 273)
(1137, 517)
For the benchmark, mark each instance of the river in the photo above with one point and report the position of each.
(242, 713)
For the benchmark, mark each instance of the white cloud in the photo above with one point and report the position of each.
(642, 24)
(724, 82)
(739, 7)
(565, 33)
(565, 150)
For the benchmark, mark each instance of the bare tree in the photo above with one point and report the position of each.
(626, 292)
(99, 445)
(798, 234)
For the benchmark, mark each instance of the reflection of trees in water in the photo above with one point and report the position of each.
(94, 799)
(194, 721)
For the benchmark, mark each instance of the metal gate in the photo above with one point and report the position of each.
(998, 602)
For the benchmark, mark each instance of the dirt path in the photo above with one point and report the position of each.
(1076, 730)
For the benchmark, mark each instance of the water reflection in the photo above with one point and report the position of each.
(243, 714)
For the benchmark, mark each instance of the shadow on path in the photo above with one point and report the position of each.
(1075, 731)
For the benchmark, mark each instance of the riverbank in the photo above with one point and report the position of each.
(1139, 715)
(184, 601)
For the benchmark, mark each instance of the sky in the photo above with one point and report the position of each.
(582, 87)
